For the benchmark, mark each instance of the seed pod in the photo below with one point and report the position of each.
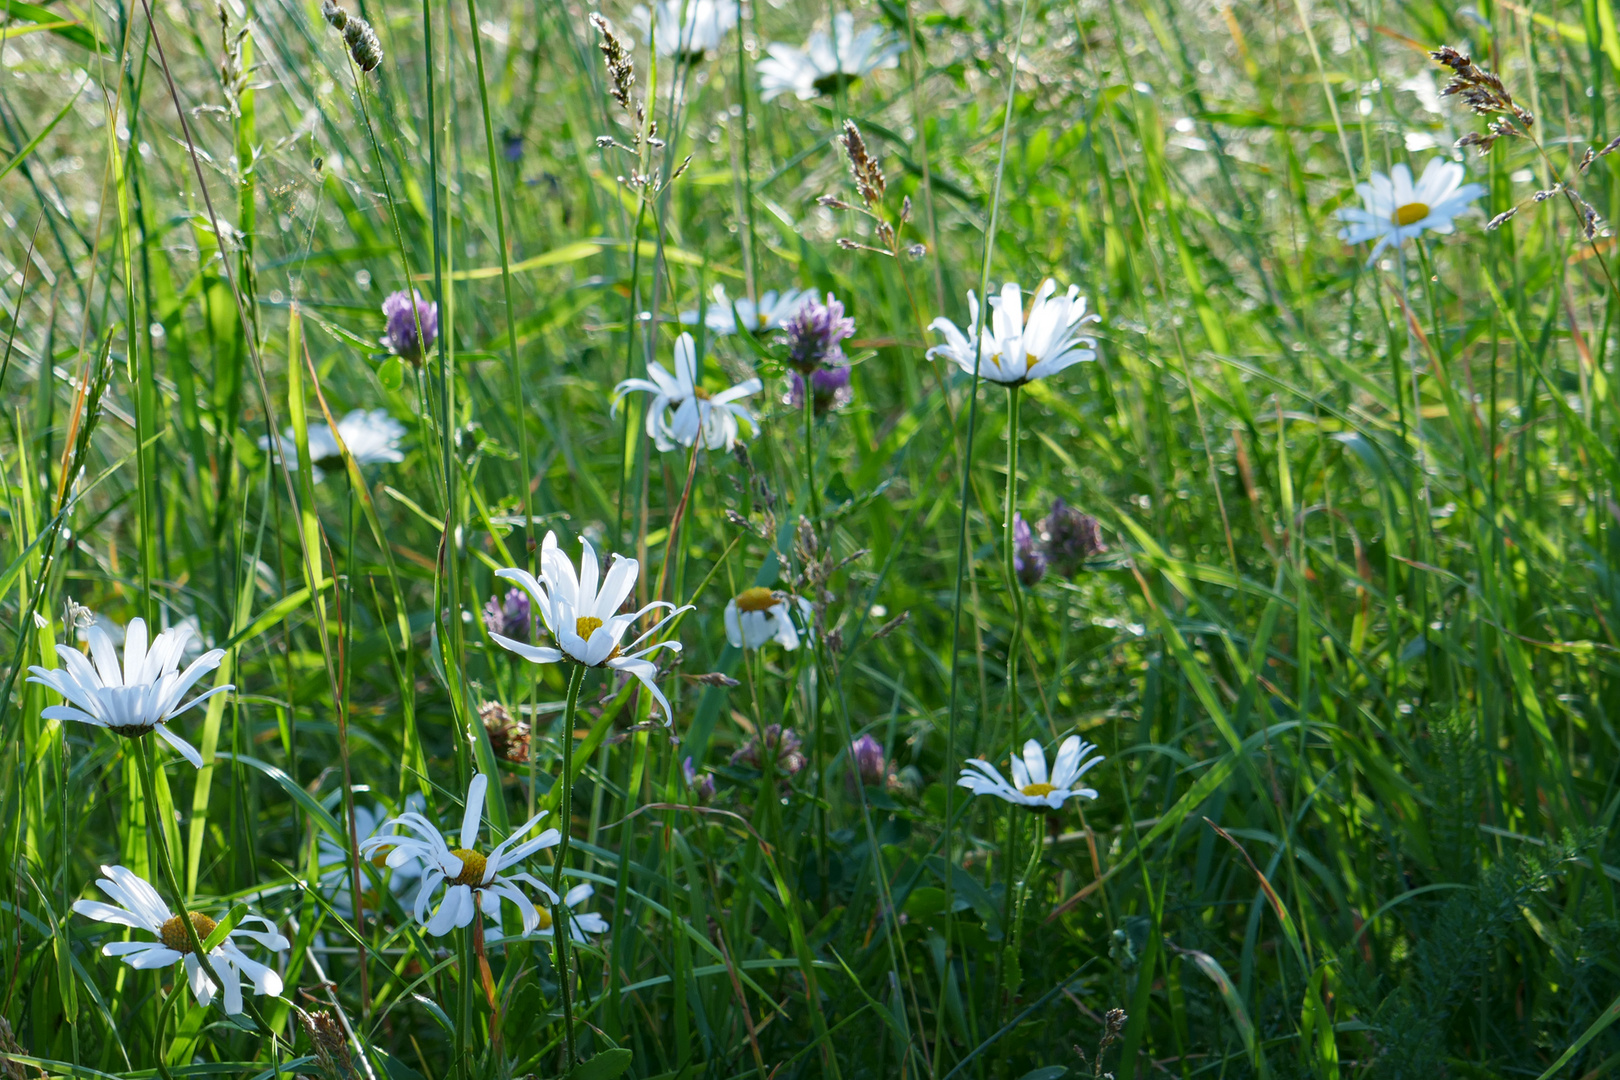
(363, 43)
(334, 14)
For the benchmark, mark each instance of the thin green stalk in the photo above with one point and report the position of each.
(560, 923)
(962, 535)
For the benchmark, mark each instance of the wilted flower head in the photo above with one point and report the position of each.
(829, 385)
(509, 617)
(701, 787)
(1070, 538)
(1028, 562)
(866, 761)
(401, 333)
(508, 736)
(776, 744)
(814, 332)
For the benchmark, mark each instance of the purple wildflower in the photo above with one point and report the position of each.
(866, 764)
(814, 332)
(509, 618)
(1070, 538)
(401, 333)
(702, 788)
(512, 146)
(1028, 561)
(781, 744)
(830, 385)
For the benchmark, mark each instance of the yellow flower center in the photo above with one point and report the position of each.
(758, 598)
(701, 394)
(472, 868)
(1410, 213)
(586, 625)
(1035, 791)
(380, 860)
(545, 918)
(173, 931)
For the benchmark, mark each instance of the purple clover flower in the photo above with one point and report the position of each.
(1070, 538)
(866, 764)
(509, 618)
(830, 385)
(781, 745)
(814, 333)
(702, 789)
(401, 332)
(1028, 561)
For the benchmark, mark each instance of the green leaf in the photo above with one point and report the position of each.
(223, 928)
(74, 32)
(1047, 1072)
(391, 373)
(608, 1065)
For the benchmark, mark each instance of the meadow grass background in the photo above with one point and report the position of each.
(1359, 606)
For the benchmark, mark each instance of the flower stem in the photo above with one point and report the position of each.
(561, 920)
(1014, 588)
(160, 840)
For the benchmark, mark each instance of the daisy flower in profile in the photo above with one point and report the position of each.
(686, 29)
(755, 616)
(368, 822)
(772, 312)
(579, 923)
(1031, 786)
(372, 436)
(138, 906)
(581, 612)
(141, 696)
(1014, 350)
(683, 411)
(1397, 209)
(473, 880)
(827, 63)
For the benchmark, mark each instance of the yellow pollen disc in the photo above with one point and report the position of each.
(701, 394)
(380, 860)
(586, 625)
(1410, 213)
(1035, 791)
(472, 868)
(173, 931)
(545, 918)
(758, 598)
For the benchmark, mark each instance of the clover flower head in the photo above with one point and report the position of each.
(1029, 563)
(814, 333)
(402, 315)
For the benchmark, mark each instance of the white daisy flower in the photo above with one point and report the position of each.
(1031, 786)
(1014, 350)
(1397, 210)
(755, 616)
(584, 620)
(368, 822)
(683, 411)
(580, 923)
(772, 312)
(143, 696)
(139, 907)
(827, 63)
(372, 436)
(473, 880)
(686, 28)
